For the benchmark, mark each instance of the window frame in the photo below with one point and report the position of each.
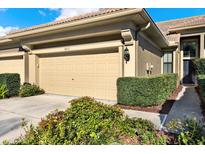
(167, 63)
(197, 47)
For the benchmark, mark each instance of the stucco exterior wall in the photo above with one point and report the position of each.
(13, 61)
(176, 62)
(33, 69)
(148, 53)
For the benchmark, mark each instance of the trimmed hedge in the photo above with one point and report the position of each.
(145, 91)
(199, 65)
(12, 82)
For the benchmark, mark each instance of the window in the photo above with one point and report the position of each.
(189, 48)
(168, 65)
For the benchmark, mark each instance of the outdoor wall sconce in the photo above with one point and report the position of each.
(126, 55)
(149, 68)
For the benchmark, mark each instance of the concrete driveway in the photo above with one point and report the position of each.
(31, 108)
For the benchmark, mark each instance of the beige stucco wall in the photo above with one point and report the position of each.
(177, 60)
(33, 69)
(13, 61)
(148, 53)
(130, 67)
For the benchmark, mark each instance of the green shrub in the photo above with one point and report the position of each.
(145, 91)
(3, 91)
(12, 82)
(27, 90)
(190, 131)
(199, 65)
(201, 84)
(90, 122)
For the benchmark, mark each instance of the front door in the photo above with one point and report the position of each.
(190, 52)
(188, 72)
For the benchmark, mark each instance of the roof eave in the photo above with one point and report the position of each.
(5, 40)
(75, 23)
(163, 40)
(178, 29)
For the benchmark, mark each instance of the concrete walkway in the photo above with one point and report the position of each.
(186, 105)
(156, 118)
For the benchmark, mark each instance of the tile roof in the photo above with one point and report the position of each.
(74, 18)
(165, 26)
(191, 21)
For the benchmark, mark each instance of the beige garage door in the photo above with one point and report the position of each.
(12, 65)
(92, 75)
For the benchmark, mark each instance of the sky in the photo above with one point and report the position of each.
(12, 19)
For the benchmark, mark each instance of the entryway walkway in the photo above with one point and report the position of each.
(186, 105)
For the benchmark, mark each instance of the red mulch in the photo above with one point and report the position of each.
(128, 140)
(164, 108)
(202, 105)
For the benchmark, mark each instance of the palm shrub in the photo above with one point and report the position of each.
(3, 91)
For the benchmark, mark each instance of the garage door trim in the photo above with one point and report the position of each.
(82, 47)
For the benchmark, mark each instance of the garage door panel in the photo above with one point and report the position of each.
(12, 65)
(92, 75)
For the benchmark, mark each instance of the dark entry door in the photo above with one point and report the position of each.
(188, 72)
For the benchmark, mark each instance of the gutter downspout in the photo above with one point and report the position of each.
(155, 26)
(145, 27)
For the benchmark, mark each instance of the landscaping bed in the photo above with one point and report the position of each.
(28, 90)
(151, 94)
(10, 86)
(164, 108)
(89, 122)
